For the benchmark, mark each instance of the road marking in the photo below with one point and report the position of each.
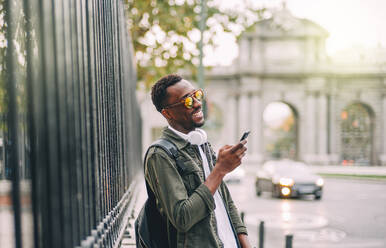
(287, 220)
(356, 244)
(325, 234)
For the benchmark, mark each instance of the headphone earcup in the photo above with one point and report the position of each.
(203, 133)
(197, 137)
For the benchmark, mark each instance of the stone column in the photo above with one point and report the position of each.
(244, 113)
(245, 45)
(256, 54)
(322, 126)
(383, 155)
(334, 136)
(311, 128)
(231, 120)
(256, 138)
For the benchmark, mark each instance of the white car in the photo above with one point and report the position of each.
(287, 178)
(235, 176)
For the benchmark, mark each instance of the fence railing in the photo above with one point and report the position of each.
(70, 125)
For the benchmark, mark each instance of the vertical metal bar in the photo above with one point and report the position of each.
(83, 116)
(70, 102)
(68, 141)
(288, 240)
(88, 114)
(41, 184)
(102, 99)
(108, 113)
(47, 190)
(102, 83)
(88, 120)
(122, 102)
(12, 120)
(106, 108)
(130, 112)
(29, 7)
(77, 172)
(62, 33)
(201, 80)
(57, 126)
(113, 107)
(117, 104)
(51, 84)
(261, 234)
(108, 103)
(119, 99)
(99, 190)
(91, 102)
(80, 120)
(93, 74)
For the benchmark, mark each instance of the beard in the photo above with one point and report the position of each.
(199, 124)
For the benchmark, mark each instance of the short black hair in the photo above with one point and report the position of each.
(158, 91)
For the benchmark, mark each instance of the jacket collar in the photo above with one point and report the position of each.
(167, 133)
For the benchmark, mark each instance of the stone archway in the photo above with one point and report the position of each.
(357, 127)
(281, 127)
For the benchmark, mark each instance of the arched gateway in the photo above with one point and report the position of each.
(357, 126)
(280, 131)
(283, 59)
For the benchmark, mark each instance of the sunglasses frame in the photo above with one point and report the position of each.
(182, 101)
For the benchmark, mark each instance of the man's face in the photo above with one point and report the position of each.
(180, 117)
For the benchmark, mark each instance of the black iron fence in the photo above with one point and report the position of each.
(70, 142)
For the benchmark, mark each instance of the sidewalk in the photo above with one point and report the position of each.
(350, 170)
(128, 240)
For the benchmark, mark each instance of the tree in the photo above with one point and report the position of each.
(166, 33)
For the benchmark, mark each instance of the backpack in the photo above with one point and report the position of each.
(150, 226)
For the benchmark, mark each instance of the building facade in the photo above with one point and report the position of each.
(338, 106)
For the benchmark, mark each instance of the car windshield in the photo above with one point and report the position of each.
(291, 168)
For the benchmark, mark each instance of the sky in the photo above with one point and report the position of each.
(351, 23)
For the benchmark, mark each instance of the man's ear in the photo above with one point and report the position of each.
(166, 114)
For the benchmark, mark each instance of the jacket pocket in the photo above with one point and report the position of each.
(190, 176)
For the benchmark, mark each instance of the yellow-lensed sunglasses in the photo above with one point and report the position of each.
(188, 100)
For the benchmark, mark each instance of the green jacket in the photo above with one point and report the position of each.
(184, 199)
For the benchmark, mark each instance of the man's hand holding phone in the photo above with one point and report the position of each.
(229, 158)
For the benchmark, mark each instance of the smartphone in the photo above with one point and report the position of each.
(245, 135)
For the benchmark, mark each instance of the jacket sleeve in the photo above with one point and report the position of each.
(183, 211)
(234, 213)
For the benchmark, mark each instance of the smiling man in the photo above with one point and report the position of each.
(194, 202)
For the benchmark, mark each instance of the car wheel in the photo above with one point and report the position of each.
(318, 197)
(258, 191)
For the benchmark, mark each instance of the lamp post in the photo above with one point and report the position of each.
(200, 77)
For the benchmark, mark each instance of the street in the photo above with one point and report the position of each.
(351, 213)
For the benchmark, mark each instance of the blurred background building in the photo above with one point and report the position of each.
(298, 102)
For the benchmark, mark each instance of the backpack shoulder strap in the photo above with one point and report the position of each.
(171, 149)
(151, 226)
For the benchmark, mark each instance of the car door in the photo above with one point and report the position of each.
(266, 175)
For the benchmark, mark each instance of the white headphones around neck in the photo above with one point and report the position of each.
(197, 137)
